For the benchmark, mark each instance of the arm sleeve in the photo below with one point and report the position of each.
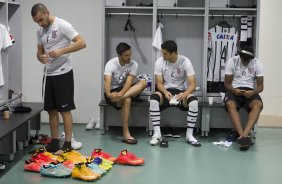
(259, 69)
(108, 69)
(189, 68)
(134, 69)
(229, 67)
(158, 67)
(69, 31)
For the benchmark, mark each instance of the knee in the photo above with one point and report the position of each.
(231, 106)
(192, 102)
(258, 106)
(142, 84)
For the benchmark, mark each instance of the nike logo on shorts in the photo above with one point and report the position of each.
(64, 105)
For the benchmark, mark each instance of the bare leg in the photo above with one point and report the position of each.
(256, 107)
(235, 117)
(67, 118)
(125, 113)
(54, 123)
(136, 89)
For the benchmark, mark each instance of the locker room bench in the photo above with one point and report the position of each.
(139, 115)
(17, 128)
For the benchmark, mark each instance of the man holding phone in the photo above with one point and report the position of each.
(244, 81)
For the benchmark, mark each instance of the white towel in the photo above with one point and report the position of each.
(158, 40)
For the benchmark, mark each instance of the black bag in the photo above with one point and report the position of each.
(21, 109)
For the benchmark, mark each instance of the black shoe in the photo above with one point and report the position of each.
(54, 146)
(175, 133)
(167, 132)
(66, 146)
(232, 136)
(245, 143)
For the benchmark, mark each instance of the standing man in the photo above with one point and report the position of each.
(56, 40)
(172, 72)
(244, 81)
(119, 76)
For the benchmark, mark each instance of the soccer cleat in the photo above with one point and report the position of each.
(156, 139)
(99, 153)
(128, 158)
(44, 156)
(80, 171)
(94, 167)
(34, 166)
(55, 170)
(74, 144)
(71, 155)
(102, 164)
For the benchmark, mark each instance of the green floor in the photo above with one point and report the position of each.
(180, 163)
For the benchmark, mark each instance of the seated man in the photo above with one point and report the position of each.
(119, 75)
(171, 73)
(244, 82)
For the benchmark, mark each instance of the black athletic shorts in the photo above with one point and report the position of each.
(114, 104)
(59, 93)
(241, 101)
(166, 104)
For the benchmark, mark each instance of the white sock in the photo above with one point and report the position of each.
(155, 116)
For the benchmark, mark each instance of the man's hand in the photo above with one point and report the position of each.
(248, 93)
(239, 92)
(181, 96)
(115, 97)
(168, 95)
(43, 58)
(56, 53)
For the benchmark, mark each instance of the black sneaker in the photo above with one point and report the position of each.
(54, 146)
(232, 136)
(167, 132)
(245, 143)
(175, 133)
(2, 165)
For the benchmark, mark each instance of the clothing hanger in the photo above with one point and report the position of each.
(128, 25)
(223, 23)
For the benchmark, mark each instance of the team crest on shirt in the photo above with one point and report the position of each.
(251, 70)
(54, 34)
(178, 71)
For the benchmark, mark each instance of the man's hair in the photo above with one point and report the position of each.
(170, 46)
(247, 53)
(122, 47)
(39, 7)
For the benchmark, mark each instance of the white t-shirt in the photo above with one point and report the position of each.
(5, 42)
(57, 35)
(120, 73)
(174, 74)
(244, 76)
(222, 44)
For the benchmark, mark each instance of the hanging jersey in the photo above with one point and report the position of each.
(222, 45)
(244, 76)
(56, 36)
(5, 42)
(120, 73)
(174, 74)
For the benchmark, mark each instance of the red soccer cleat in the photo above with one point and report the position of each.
(34, 166)
(99, 153)
(128, 158)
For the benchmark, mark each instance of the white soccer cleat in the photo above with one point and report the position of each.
(90, 124)
(74, 144)
(156, 139)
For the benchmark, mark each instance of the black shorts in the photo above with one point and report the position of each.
(166, 104)
(59, 92)
(241, 101)
(114, 104)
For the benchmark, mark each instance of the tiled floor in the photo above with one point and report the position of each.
(179, 163)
